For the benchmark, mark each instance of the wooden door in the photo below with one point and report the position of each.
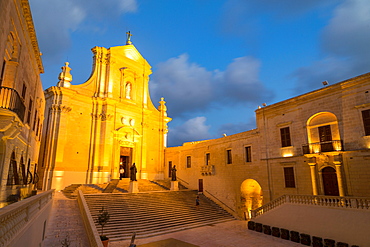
(200, 187)
(330, 182)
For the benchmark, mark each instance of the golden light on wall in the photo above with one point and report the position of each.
(287, 151)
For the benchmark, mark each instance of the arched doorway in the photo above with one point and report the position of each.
(251, 196)
(330, 181)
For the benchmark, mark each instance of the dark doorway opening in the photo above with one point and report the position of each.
(125, 160)
(200, 187)
(329, 179)
(170, 169)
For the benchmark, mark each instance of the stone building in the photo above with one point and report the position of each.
(22, 100)
(313, 144)
(108, 122)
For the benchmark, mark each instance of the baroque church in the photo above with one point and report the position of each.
(109, 122)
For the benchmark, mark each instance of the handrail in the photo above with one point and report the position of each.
(324, 201)
(219, 201)
(182, 180)
(15, 217)
(91, 231)
(327, 146)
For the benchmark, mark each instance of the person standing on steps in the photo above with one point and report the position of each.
(121, 173)
(197, 203)
(133, 172)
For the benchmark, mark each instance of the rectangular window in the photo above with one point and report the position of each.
(208, 159)
(366, 121)
(229, 157)
(29, 110)
(188, 161)
(248, 154)
(289, 177)
(34, 121)
(285, 137)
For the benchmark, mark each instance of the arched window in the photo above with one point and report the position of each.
(22, 172)
(323, 133)
(13, 177)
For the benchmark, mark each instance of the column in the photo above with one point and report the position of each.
(313, 178)
(338, 165)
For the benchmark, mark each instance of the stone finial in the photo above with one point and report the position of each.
(162, 107)
(65, 76)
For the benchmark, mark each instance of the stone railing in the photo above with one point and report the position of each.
(325, 201)
(319, 147)
(207, 170)
(16, 217)
(91, 231)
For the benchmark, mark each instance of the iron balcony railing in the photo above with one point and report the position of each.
(320, 147)
(10, 99)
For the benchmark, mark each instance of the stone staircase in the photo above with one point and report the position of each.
(71, 190)
(153, 213)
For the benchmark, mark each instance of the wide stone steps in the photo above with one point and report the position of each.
(153, 213)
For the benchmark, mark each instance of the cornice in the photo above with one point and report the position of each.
(32, 33)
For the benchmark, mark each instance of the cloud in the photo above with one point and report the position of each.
(348, 32)
(184, 85)
(188, 87)
(55, 20)
(194, 129)
(344, 44)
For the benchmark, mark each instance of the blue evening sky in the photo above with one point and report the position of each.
(214, 61)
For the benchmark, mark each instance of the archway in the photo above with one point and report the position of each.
(251, 196)
(330, 181)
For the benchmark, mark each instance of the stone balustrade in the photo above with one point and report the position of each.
(16, 217)
(91, 231)
(207, 170)
(324, 201)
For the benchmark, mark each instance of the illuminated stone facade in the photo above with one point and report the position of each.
(314, 144)
(109, 121)
(22, 99)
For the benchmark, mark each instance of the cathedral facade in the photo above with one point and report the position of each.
(94, 129)
(22, 101)
(317, 143)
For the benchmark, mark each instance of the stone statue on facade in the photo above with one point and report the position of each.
(133, 172)
(173, 173)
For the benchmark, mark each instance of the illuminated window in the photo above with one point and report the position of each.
(289, 177)
(188, 161)
(248, 154)
(285, 137)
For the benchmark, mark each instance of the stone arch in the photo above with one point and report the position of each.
(251, 196)
(323, 132)
(12, 47)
